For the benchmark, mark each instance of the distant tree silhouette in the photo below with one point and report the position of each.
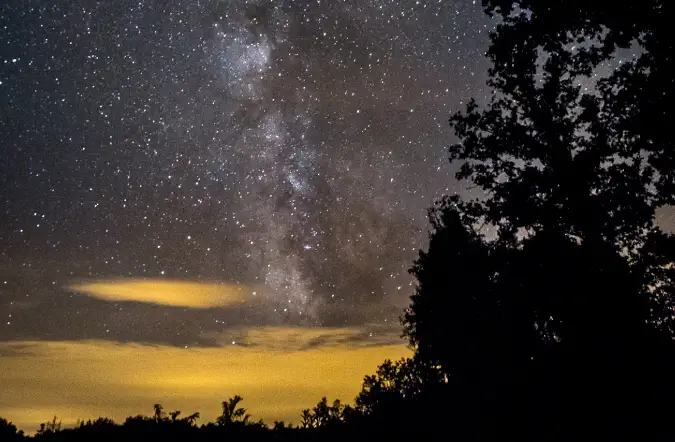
(159, 412)
(99, 422)
(323, 414)
(159, 422)
(192, 418)
(307, 418)
(231, 414)
(99, 425)
(281, 425)
(328, 414)
(52, 426)
(174, 415)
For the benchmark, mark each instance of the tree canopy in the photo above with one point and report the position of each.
(572, 292)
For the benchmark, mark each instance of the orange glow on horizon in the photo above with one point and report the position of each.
(82, 380)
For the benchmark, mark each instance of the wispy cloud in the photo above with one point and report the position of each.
(292, 339)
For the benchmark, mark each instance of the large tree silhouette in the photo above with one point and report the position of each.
(636, 100)
(457, 332)
(570, 298)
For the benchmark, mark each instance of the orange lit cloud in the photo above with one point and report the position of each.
(95, 378)
(171, 293)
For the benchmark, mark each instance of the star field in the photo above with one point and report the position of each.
(289, 146)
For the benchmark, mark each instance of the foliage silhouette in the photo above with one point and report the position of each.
(159, 412)
(325, 415)
(9, 432)
(231, 414)
(52, 426)
(635, 102)
(567, 303)
(394, 384)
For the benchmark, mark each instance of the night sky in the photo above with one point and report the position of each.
(208, 197)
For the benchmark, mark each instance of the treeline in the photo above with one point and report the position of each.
(544, 308)
(382, 396)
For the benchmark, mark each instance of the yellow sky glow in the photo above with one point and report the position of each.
(164, 292)
(81, 380)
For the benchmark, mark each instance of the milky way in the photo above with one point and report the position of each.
(289, 147)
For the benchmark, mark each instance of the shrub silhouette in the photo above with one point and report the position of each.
(9, 432)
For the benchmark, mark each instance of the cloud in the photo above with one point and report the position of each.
(164, 292)
(294, 339)
(87, 379)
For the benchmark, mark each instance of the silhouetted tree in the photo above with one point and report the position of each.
(161, 425)
(323, 414)
(231, 414)
(310, 419)
(307, 418)
(192, 418)
(174, 415)
(637, 98)
(567, 303)
(394, 383)
(9, 432)
(101, 422)
(100, 429)
(281, 425)
(52, 426)
(159, 412)
(454, 320)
